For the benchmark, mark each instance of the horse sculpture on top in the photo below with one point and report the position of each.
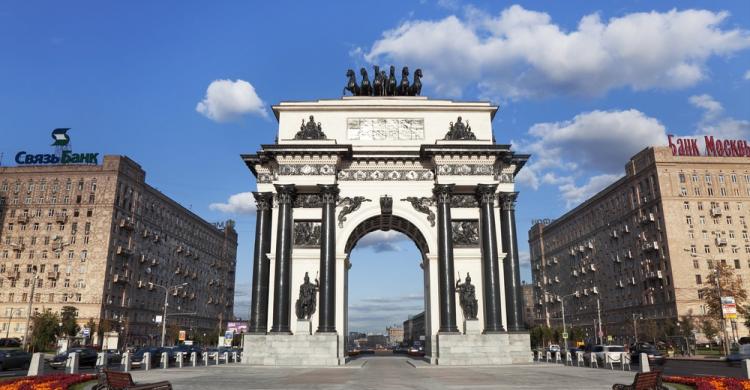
(383, 85)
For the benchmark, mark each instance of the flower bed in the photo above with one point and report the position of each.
(46, 382)
(710, 382)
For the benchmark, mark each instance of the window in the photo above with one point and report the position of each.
(695, 178)
(731, 234)
(700, 206)
(706, 249)
(691, 235)
(693, 249)
(726, 206)
(689, 220)
(710, 191)
(737, 263)
(705, 235)
(682, 177)
(698, 279)
(723, 191)
(697, 191)
(708, 179)
(695, 264)
(702, 220)
(734, 178)
(686, 205)
(683, 191)
(729, 219)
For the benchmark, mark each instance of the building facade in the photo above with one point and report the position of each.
(414, 328)
(644, 246)
(98, 238)
(529, 313)
(395, 334)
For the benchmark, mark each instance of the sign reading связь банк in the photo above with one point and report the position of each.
(714, 147)
(64, 157)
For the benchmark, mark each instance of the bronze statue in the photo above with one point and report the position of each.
(391, 89)
(310, 130)
(377, 82)
(351, 85)
(460, 131)
(365, 89)
(467, 297)
(403, 89)
(416, 86)
(349, 205)
(307, 298)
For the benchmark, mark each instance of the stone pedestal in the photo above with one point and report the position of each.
(71, 365)
(125, 361)
(290, 350)
(102, 359)
(472, 327)
(36, 368)
(483, 349)
(304, 327)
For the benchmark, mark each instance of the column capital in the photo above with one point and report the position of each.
(486, 193)
(443, 192)
(263, 200)
(329, 193)
(285, 193)
(508, 200)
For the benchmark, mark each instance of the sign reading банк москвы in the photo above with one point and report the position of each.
(714, 147)
(62, 139)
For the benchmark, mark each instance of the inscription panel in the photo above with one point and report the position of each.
(385, 129)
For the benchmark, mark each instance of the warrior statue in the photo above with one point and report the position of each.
(460, 131)
(467, 297)
(307, 299)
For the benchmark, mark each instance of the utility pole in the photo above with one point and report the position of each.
(28, 310)
(599, 320)
(721, 310)
(636, 317)
(7, 331)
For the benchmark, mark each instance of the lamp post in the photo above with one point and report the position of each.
(562, 302)
(28, 311)
(12, 310)
(636, 317)
(166, 303)
(717, 270)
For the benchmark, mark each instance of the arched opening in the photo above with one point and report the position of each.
(386, 294)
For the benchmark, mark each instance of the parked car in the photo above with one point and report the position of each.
(736, 357)
(11, 342)
(654, 356)
(137, 359)
(86, 358)
(554, 348)
(14, 359)
(598, 351)
(113, 356)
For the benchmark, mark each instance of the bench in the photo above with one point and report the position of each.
(643, 381)
(114, 380)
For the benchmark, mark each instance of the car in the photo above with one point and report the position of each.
(14, 359)
(11, 342)
(736, 357)
(554, 348)
(654, 356)
(599, 351)
(137, 359)
(113, 356)
(86, 358)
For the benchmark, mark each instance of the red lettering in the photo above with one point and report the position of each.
(671, 145)
(733, 148)
(681, 149)
(694, 147)
(710, 145)
(726, 148)
(719, 148)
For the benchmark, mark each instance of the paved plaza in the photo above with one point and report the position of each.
(388, 373)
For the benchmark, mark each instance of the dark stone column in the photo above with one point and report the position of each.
(261, 263)
(285, 194)
(446, 282)
(511, 266)
(493, 311)
(327, 308)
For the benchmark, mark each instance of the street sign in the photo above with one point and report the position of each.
(565, 335)
(728, 308)
(609, 337)
(182, 335)
(86, 332)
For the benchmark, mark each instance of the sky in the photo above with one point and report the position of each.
(185, 87)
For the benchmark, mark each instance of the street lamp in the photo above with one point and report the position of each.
(562, 302)
(636, 317)
(717, 270)
(28, 312)
(166, 303)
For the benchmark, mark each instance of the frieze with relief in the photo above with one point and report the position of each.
(465, 233)
(307, 169)
(306, 233)
(307, 201)
(466, 169)
(385, 175)
(385, 129)
(464, 201)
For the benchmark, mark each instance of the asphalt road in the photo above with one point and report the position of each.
(700, 368)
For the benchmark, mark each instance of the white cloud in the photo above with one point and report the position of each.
(242, 203)
(712, 107)
(747, 75)
(382, 241)
(714, 122)
(228, 100)
(522, 53)
(596, 142)
(374, 314)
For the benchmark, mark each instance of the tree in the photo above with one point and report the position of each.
(731, 286)
(45, 331)
(69, 321)
(686, 326)
(709, 328)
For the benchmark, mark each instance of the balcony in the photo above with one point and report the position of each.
(629, 254)
(554, 260)
(595, 290)
(715, 211)
(617, 259)
(620, 284)
(127, 224)
(61, 218)
(121, 278)
(650, 246)
(22, 219)
(654, 275)
(141, 284)
(146, 233)
(124, 252)
(647, 218)
(53, 275)
(614, 234)
(721, 241)
(142, 259)
(625, 229)
(13, 275)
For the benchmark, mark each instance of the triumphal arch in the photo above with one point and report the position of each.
(385, 159)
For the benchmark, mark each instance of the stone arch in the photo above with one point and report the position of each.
(386, 223)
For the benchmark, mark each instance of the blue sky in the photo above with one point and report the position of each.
(581, 85)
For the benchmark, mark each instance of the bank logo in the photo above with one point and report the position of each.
(61, 137)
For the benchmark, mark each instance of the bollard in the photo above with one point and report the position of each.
(205, 358)
(193, 358)
(180, 355)
(644, 367)
(102, 359)
(125, 362)
(37, 365)
(226, 358)
(746, 368)
(216, 357)
(234, 356)
(164, 360)
(146, 362)
(71, 365)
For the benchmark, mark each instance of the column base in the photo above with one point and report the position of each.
(483, 349)
(291, 350)
(304, 327)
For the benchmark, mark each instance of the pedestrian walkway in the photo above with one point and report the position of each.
(388, 373)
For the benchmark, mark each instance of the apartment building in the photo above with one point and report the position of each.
(98, 238)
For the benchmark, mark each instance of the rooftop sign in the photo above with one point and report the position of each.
(713, 147)
(63, 154)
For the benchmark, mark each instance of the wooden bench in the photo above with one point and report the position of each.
(115, 380)
(643, 381)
